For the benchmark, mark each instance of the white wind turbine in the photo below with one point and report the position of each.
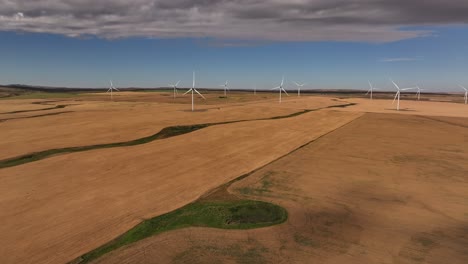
(175, 87)
(418, 93)
(299, 86)
(194, 90)
(397, 95)
(466, 93)
(225, 85)
(371, 90)
(112, 88)
(281, 89)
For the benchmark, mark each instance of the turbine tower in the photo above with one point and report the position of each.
(418, 93)
(281, 89)
(194, 90)
(372, 88)
(397, 95)
(112, 88)
(225, 85)
(175, 88)
(299, 86)
(466, 93)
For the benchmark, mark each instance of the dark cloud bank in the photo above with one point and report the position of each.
(259, 20)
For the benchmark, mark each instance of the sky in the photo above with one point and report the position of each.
(328, 44)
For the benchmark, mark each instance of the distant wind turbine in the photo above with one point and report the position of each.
(194, 90)
(225, 85)
(299, 86)
(112, 88)
(418, 93)
(371, 90)
(466, 93)
(175, 88)
(397, 95)
(281, 89)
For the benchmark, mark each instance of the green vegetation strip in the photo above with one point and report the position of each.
(164, 133)
(35, 110)
(240, 214)
(34, 116)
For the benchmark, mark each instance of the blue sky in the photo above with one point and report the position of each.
(436, 62)
(436, 56)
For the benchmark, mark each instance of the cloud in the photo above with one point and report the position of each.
(257, 20)
(18, 16)
(398, 59)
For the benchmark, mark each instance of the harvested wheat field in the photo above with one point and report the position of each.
(87, 123)
(69, 204)
(384, 188)
(360, 182)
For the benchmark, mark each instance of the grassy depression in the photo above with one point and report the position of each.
(236, 214)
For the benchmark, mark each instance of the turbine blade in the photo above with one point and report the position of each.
(395, 97)
(275, 88)
(395, 84)
(199, 94)
(285, 91)
(188, 91)
(177, 83)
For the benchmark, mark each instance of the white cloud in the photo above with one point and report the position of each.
(398, 59)
(18, 16)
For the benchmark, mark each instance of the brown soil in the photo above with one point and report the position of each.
(57, 209)
(385, 188)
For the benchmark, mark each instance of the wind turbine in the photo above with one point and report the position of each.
(111, 88)
(225, 85)
(397, 95)
(418, 93)
(466, 93)
(281, 89)
(372, 88)
(299, 86)
(194, 90)
(175, 88)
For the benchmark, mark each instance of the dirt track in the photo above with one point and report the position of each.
(383, 189)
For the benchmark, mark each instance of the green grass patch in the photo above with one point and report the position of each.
(305, 241)
(240, 214)
(425, 241)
